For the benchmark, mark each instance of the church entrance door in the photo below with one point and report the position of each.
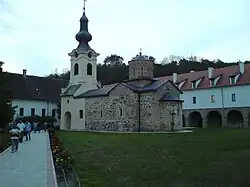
(67, 120)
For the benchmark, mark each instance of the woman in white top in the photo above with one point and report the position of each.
(21, 126)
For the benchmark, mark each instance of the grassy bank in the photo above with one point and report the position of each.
(203, 158)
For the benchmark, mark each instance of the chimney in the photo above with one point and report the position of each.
(24, 72)
(174, 77)
(210, 72)
(242, 67)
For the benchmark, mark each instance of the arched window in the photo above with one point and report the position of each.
(120, 111)
(76, 69)
(89, 69)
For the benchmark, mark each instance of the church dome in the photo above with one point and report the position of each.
(83, 36)
(140, 57)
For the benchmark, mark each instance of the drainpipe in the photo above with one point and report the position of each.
(222, 105)
(139, 111)
(47, 108)
(222, 98)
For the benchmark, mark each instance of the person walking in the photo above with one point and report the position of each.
(21, 126)
(27, 130)
(14, 136)
(38, 127)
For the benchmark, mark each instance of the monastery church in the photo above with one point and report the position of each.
(141, 103)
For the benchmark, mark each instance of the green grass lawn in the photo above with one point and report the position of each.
(202, 159)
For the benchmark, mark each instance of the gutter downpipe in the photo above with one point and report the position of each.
(222, 105)
(139, 111)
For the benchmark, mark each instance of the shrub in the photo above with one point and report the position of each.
(39, 119)
(48, 119)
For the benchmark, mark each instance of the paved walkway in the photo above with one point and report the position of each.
(30, 166)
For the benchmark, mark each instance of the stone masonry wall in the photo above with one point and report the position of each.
(139, 69)
(170, 112)
(117, 112)
(147, 112)
(156, 115)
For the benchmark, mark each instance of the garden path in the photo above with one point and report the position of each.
(30, 166)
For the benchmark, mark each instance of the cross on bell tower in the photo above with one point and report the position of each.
(84, 4)
(140, 53)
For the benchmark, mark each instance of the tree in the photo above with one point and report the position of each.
(6, 109)
(113, 60)
(64, 75)
(58, 109)
(171, 59)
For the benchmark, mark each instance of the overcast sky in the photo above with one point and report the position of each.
(37, 35)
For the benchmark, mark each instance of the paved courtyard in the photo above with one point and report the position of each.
(30, 166)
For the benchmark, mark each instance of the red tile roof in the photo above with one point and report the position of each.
(224, 79)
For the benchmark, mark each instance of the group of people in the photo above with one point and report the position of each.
(17, 131)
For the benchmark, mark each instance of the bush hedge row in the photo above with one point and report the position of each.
(39, 119)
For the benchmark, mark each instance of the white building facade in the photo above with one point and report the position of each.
(33, 107)
(216, 97)
(33, 95)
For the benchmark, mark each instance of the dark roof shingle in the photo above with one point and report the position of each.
(104, 91)
(34, 88)
(71, 90)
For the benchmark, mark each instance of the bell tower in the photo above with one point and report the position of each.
(83, 59)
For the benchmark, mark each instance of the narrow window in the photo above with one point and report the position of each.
(21, 111)
(43, 112)
(194, 100)
(67, 101)
(53, 113)
(81, 114)
(76, 69)
(89, 69)
(212, 99)
(233, 97)
(33, 111)
(101, 114)
(120, 111)
(142, 71)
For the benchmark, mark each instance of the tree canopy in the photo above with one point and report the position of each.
(6, 109)
(114, 70)
(113, 60)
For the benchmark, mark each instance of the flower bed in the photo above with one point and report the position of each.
(63, 163)
(61, 157)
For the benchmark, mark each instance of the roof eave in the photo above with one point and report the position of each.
(169, 100)
(91, 96)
